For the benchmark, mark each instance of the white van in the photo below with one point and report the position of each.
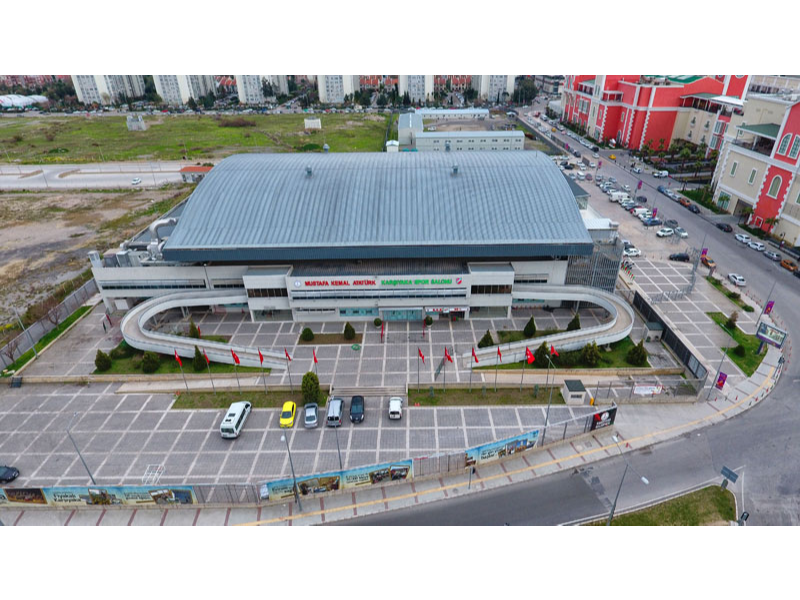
(660, 174)
(234, 419)
(335, 412)
(395, 408)
(619, 197)
(639, 211)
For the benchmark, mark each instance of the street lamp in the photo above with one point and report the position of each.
(294, 478)
(85, 466)
(625, 472)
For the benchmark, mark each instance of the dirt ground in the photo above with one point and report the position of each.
(45, 237)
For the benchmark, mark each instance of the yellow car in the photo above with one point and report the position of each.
(613, 157)
(287, 414)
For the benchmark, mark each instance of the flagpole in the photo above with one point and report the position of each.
(549, 399)
(495, 372)
(263, 373)
(289, 370)
(184, 377)
(208, 365)
(235, 370)
(523, 373)
(316, 372)
(418, 370)
(470, 375)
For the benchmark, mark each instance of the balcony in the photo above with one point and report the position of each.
(764, 137)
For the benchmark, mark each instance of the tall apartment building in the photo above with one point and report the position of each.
(419, 87)
(250, 87)
(492, 87)
(633, 110)
(106, 89)
(759, 164)
(176, 90)
(548, 84)
(333, 88)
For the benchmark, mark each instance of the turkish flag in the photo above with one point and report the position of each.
(289, 358)
(529, 355)
(206, 356)
(315, 356)
(553, 351)
(500, 354)
(260, 356)
(235, 358)
(178, 358)
(447, 355)
(421, 355)
(199, 334)
(475, 356)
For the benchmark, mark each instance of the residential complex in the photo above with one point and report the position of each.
(634, 110)
(419, 87)
(176, 90)
(549, 84)
(105, 89)
(494, 88)
(250, 88)
(333, 88)
(758, 165)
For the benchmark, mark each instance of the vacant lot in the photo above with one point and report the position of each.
(79, 139)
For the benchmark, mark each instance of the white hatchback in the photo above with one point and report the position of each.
(743, 238)
(737, 280)
(758, 246)
(664, 232)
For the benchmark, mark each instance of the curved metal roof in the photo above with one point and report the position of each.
(254, 207)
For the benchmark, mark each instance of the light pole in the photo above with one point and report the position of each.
(549, 398)
(85, 466)
(625, 472)
(338, 451)
(294, 478)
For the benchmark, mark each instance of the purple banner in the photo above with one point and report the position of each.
(723, 377)
(655, 213)
(704, 252)
(768, 307)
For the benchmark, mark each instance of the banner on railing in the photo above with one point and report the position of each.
(98, 496)
(497, 450)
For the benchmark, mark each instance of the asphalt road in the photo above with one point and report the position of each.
(85, 176)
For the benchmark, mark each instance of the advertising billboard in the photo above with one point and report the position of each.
(603, 419)
(497, 450)
(98, 496)
(771, 335)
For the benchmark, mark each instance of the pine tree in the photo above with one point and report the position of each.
(637, 355)
(198, 362)
(102, 361)
(193, 331)
(575, 323)
(486, 340)
(349, 332)
(310, 387)
(530, 328)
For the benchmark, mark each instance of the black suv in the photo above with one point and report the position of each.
(357, 409)
(725, 227)
(680, 257)
(8, 474)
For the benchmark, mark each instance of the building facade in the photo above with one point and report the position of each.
(758, 165)
(494, 88)
(107, 89)
(634, 110)
(549, 84)
(419, 87)
(333, 88)
(176, 90)
(452, 114)
(454, 141)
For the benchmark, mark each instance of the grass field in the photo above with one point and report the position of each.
(80, 139)
(750, 361)
(615, 359)
(732, 296)
(330, 338)
(199, 400)
(463, 397)
(711, 505)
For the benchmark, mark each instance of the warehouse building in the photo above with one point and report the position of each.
(357, 236)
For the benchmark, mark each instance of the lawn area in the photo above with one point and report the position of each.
(711, 505)
(330, 338)
(463, 397)
(750, 361)
(132, 365)
(615, 359)
(199, 400)
(732, 296)
(78, 139)
(507, 336)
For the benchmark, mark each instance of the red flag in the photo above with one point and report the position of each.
(206, 356)
(289, 358)
(421, 355)
(382, 324)
(260, 357)
(553, 351)
(178, 358)
(475, 356)
(235, 358)
(447, 355)
(315, 356)
(199, 334)
(500, 354)
(529, 355)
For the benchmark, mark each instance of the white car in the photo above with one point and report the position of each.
(136, 181)
(743, 238)
(664, 232)
(637, 169)
(631, 252)
(595, 155)
(758, 246)
(737, 280)
(681, 232)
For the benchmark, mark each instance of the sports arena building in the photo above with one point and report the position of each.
(399, 236)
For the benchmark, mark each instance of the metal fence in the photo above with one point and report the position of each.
(43, 326)
(226, 493)
(648, 390)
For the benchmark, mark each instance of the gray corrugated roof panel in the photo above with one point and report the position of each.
(410, 121)
(380, 267)
(254, 207)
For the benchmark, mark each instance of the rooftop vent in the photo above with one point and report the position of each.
(325, 148)
(308, 170)
(455, 169)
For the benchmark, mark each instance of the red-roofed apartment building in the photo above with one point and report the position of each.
(633, 110)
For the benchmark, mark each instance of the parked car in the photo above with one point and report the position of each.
(588, 177)
(136, 181)
(737, 280)
(612, 179)
(772, 255)
(637, 169)
(642, 199)
(287, 414)
(310, 412)
(757, 246)
(684, 202)
(708, 261)
(662, 189)
(693, 208)
(395, 408)
(8, 474)
(681, 232)
(724, 227)
(357, 409)
(790, 266)
(664, 232)
(653, 222)
(742, 237)
(613, 157)
(630, 252)
(679, 257)
(671, 223)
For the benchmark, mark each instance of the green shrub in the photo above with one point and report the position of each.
(307, 335)
(590, 355)
(199, 361)
(567, 360)
(575, 323)
(530, 328)
(541, 354)
(637, 356)
(377, 322)
(731, 322)
(748, 308)
(740, 351)
(428, 320)
(349, 332)
(102, 361)
(310, 387)
(734, 295)
(193, 331)
(150, 362)
(136, 362)
(486, 340)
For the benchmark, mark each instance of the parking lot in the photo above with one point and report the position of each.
(119, 435)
